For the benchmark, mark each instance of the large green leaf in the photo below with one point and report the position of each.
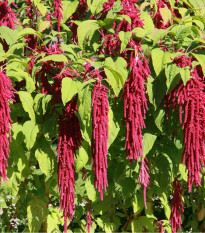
(85, 29)
(114, 127)
(124, 37)
(46, 158)
(82, 157)
(159, 59)
(69, 8)
(27, 102)
(84, 96)
(95, 6)
(185, 74)
(28, 31)
(137, 225)
(147, 21)
(36, 212)
(201, 59)
(117, 74)
(156, 89)
(148, 142)
(54, 57)
(11, 187)
(8, 34)
(91, 192)
(30, 130)
(69, 89)
(172, 76)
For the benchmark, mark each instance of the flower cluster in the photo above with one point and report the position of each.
(144, 177)
(70, 139)
(176, 206)
(191, 101)
(100, 136)
(7, 15)
(6, 93)
(89, 222)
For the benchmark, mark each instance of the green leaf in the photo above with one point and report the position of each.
(165, 205)
(147, 21)
(69, 8)
(128, 186)
(138, 225)
(172, 76)
(201, 59)
(148, 142)
(183, 171)
(42, 8)
(85, 29)
(30, 130)
(181, 31)
(69, 89)
(36, 212)
(54, 57)
(114, 128)
(84, 96)
(43, 25)
(28, 31)
(95, 6)
(91, 192)
(45, 101)
(10, 35)
(82, 158)
(156, 89)
(116, 71)
(137, 203)
(11, 187)
(139, 32)
(124, 37)
(46, 158)
(185, 74)
(27, 102)
(159, 59)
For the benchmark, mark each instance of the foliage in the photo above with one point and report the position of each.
(109, 96)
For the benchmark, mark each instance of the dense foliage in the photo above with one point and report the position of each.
(102, 115)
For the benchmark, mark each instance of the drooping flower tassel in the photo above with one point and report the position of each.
(160, 227)
(58, 12)
(144, 178)
(191, 102)
(100, 133)
(89, 222)
(192, 98)
(6, 95)
(7, 15)
(176, 206)
(135, 106)
(70, 139)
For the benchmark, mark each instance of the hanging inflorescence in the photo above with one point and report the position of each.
(191, 102)
(176, 206)
(89, 221)
(7, 15)
(6, 95)
(58, 12)
(100, 136)
(70, 139)
(135, 106)
(144, 177)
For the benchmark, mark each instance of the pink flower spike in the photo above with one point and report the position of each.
(144, 178)
(100, 133)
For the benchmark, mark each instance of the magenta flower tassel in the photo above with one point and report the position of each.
(100, 135)
(70, 139)
(176, 206)
(144, 178)
(5, 122)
